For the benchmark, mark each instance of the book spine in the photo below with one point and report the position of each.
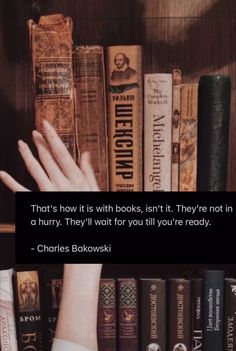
(188, 137)
(51, 46)
(213, 135)
(128, 315)
(213, 310)
(124, 84)
(177, 77)
(153, 314)
(157, 131)
(107, 334)
(197, 314)
(179, 315)
(28, 311)
(8, 340)
(90, 108)
(51, 283)
(230, 315)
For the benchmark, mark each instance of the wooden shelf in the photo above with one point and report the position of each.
(7, 228)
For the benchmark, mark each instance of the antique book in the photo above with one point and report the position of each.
(51, 47)
(127, 314)
(213, 310)
(153, 314)
(28, 311)
(124, 90)
(8, 339)
(188, 138)
(213, 132)
(179, 315)
(107, 326)
(157, 131)
(230, 315)
(90, 108)
(176, 104)
(197, 292)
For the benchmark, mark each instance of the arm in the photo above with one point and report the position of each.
(77, 321)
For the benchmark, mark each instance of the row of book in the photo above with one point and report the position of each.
(167, 136)
(133, 314)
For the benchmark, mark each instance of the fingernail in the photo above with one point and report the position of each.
(46, 126)
(35, 133)
(21, 144)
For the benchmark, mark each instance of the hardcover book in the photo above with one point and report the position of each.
(90, 108)
(157, 131)
(176, 105)
(153, 314)
(128, 314)
(230, 315)
(179, 315)
(197, 294)
(107, 326)
(213, 133)
(124, 95)
(188, 137)
(51, 46)
(28, 311)
(8, 339)
(213, 310)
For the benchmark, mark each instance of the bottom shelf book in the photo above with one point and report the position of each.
(147, 314)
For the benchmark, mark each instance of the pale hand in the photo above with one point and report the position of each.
(57, 171)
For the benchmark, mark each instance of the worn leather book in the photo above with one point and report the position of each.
(176, 104)
(153, 314)
(51, 47)
(213, 132)
(188, 137)
(213, 311)
(90, 108)
(124, 89)
(127, 314)
(28, 311)
(179, 315)
(107, 326)
(8, 340)
(157, 131)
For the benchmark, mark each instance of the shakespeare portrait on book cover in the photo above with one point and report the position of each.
(123, 71)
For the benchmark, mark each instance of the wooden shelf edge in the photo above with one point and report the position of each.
(7, 228)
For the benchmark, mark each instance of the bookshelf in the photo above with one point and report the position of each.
(194, 35)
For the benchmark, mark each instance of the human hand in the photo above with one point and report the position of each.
(57, 171)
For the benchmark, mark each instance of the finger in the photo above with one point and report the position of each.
(11, 183)
(55, 174)
(34, 167)
(88, 172)
(60, 152)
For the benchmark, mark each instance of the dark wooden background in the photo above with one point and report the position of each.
(197, 36)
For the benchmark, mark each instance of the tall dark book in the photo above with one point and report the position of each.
(213, 132)
(213, 310)
(128, 314)
(107, 334)
(51, 283)
(197, 313)
(153, 314)
(230, 315)
(28, 311)
(179, 322)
